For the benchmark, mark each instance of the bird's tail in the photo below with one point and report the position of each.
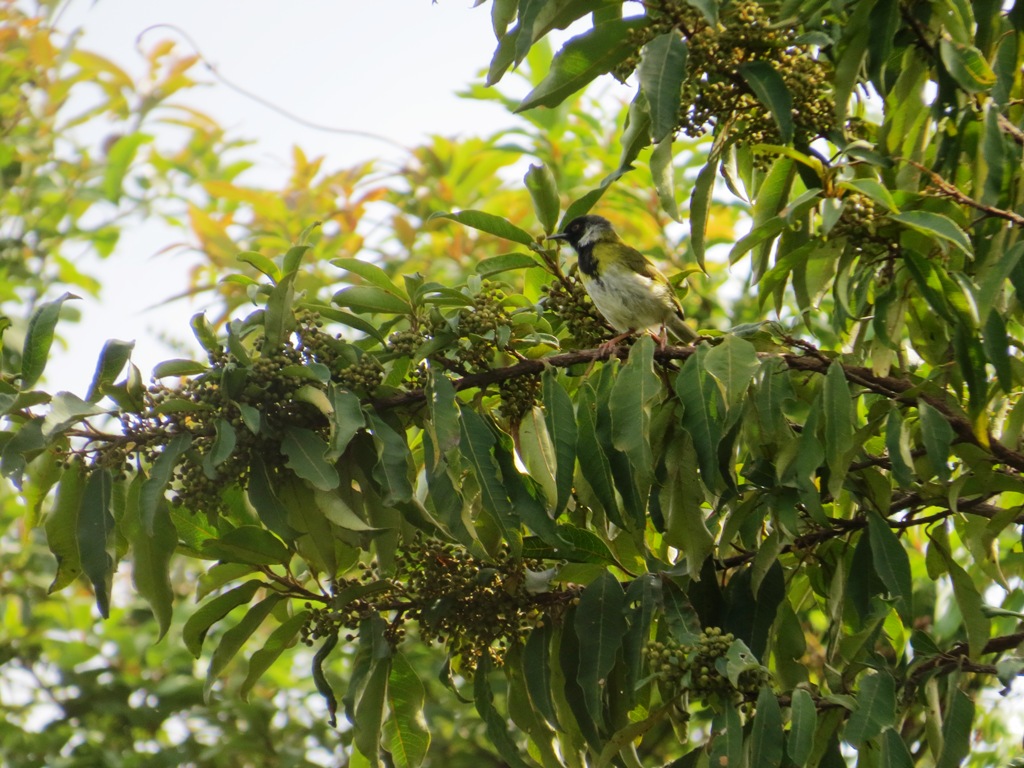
(679, 328)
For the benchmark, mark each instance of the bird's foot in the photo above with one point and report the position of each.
(607, 347)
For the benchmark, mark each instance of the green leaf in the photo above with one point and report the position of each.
(151, 564)
(159, 478)
(593, 461)
(35, 352)
(248, 544)
(804, 723)
(281, 638)
(680, 498)
(212, 611)
(537, 451)
(600, 619)
(372, 274)
(663, 175)
(179, 368)
(537, 671)
(67, 409)
(369, 298)
(113, 357)
(223, 446)
(771, 90)
(406, 737)
(561, 423)
(702, 413)
(305, 452)
(956, 730)
(839, 428)
(897, 446)
(489, 223)
(392, 469)
(279, 318)
(733, 363)
(582, 59)
(232, 640)
(119, 160)
(876, 709)
(348, 419)
(496, 728)
(62, 526)
(634, 390)
(968, 599)
(766, 738)
(477, 444)
(261, 263)
(700, 208)
(894, 752)
(262, 494)
(967, 65)
(891, 564)
(95, 536)
(937, 436)
(662, 69)
(543, 189)
(937, 226)
(505, 262)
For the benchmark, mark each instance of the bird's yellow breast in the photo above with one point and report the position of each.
(628, 300)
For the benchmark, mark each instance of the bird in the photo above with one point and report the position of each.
(626, 288)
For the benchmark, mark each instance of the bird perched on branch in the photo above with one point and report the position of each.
(626, 288)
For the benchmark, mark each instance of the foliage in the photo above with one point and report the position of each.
(790, 544)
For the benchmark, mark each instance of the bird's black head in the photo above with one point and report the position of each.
(583, 231)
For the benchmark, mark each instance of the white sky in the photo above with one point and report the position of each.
(389, 67)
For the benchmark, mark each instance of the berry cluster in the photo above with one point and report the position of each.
(715, 93)
(471, 605)
(232, 414)
(483, 328)
(698, 670)
(570, 302)
(518, 396)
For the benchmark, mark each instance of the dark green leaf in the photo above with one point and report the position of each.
(876, 709)
(305, 451)
(891, 564)
(35, 351)
(938, 437)
(703, 412)
(262, 494)
(62, 526)
(248, 544)
(537, 670)
(392, 469)
(582, 59)
(113, 357)
(561, 423)
(733, 363)
(280, 639)
(600, 619)
(635, 388)
(95, 536)
(838, 412)
(662, 69)
(223, 446)
(497, 730)
(151, 564)
(956, 730)
(233, 639)
(212, 611)
(804, 721)
(771, 90)
(159, 478)
(766, 738)
(348, 419)
(505, 262)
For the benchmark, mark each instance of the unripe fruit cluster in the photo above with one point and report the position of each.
(571, 303)
(694, 670)
(714, 91)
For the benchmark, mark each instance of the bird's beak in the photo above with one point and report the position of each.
(557, 236)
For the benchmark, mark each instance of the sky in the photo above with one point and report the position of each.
(387, 67)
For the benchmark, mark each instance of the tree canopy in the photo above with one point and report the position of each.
(407, 511)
